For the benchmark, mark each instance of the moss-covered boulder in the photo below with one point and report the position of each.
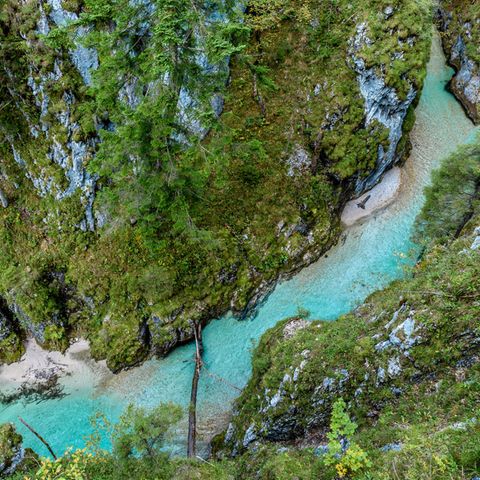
(12, 454)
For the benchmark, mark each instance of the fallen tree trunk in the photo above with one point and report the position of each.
(39, 437)
(192, 412)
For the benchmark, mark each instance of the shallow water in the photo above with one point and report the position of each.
(368, 257)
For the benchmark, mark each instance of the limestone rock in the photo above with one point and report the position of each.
(382, 105)
(476, 241)
(465, 84)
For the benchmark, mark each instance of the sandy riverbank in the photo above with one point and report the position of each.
(374, 200)
(38, 365)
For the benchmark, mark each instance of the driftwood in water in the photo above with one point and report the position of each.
(362, 204)
(39, 437)
(192, 412)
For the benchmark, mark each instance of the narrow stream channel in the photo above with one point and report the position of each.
(370, 255)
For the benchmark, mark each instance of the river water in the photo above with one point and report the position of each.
(369, 256)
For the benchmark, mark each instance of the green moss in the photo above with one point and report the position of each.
(190, 242)
(11, 349)
(463, 12)
(428, 405)
(427, 411)
(10, 442)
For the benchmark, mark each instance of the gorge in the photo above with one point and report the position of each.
(373, 247)
(369, 256)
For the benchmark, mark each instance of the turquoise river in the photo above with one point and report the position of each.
(369, 256)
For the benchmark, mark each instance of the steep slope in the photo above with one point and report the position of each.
(460, 21)
(406, 362)
(130, 209)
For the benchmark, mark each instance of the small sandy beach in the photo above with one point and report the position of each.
(37, 365)
(374, 200)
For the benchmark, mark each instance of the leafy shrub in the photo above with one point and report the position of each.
(347, 456)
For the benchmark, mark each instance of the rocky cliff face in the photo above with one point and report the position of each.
(63, 171)
(381, 104)
(274, 171)
(460, 24)
(53, 143)
(402, 341)
(12, 454)
(10, 337)
(53, 130)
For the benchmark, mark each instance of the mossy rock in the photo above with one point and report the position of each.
(11, 349)
(414, 333)
(141, 263)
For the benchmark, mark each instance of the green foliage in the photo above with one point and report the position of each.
(302, 312)
(433, 421)
(138, 441)
(459, 22)
(452, 197)
(152, 51)
(55, 337)
(59, 38)
(10, 441)
(11, 349)
(192, 226)
(142, 432)
(463, 13)
(417, 421)
(348, 458)
(72, 466)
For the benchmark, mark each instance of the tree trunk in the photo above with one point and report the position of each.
(39, 437)
(192, 413)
